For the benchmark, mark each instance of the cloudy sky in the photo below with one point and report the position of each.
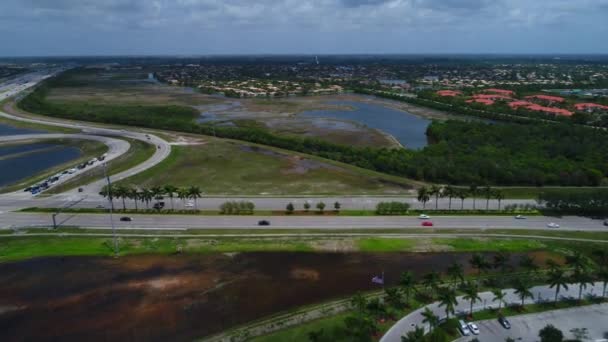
(110, 27)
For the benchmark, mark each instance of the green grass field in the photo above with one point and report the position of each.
(225, 167)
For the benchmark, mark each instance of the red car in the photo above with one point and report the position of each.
(427, 224)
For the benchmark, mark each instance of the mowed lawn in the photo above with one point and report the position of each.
(226, 167)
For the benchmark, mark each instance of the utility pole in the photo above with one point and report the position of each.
(105, 173)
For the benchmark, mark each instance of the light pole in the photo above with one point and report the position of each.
(114, 238)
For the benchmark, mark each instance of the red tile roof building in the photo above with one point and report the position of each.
(589, 106)
(546, 98)
(500, 91)
(487, 102)
(539, 108)
(492, 97)
(450, 93)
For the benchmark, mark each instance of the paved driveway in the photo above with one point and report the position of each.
(526, 327)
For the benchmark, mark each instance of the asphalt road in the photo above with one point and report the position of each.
(526, 327)
(17, 219)
(116, 148)
(541, 293)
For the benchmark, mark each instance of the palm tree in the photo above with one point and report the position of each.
(447, 298)
(195, 193)
(501, 262)
(393, 296)
(577, 261)
(552, 264)
(157, 192)
(121, 191)
(487, 193)
(602, 275)
(437, 192)
(478, 262)
(527, 263)
(416, 335)
(456, 272)
(134, 195)
(423, 196)
(449, 192)
(462, 194)
(499, 195)
(431, 280)
(522, 290)
(583, 278)
(359, 303)
(108, 192)
(473, 191)
(170, 190)
(499, 296)
(557, 279)
(430, 318)
(146, 196)
(407, 283)
(471, 294)
(182, 194)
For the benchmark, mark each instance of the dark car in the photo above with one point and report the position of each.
(263, 223)
(126, 219)
(504, 322)
(606, 223)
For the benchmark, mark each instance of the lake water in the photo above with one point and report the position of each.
(10, 130)
(19, 162)
(408, 129)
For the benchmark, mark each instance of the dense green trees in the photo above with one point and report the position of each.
(593, 203)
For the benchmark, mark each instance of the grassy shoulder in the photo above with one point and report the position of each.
(89, 150)
(227, 167)
(137, 153)
(29, 244)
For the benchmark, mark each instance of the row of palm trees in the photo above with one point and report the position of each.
(426, 193)
(147, 195)
(580, 270)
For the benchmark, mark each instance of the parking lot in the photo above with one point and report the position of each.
(526, 327)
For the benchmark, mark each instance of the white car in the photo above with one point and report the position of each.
(553, 225)
(189, 205)
(424, 217)
(520, 217)
(474, 329)
(464, 328)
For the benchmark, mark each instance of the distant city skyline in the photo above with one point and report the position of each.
(212, 27)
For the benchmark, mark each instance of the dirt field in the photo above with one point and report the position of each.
(179, 298)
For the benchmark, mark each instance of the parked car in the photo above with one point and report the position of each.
(464, 328)
(520, 217)
(474, 328)
(424, 217)
(553, 225)
(126, 219)
(263, 223)
(504, 322)
(427, 224)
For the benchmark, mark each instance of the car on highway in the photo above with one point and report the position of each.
(520, 217)
(424, 217)
(606, 223)
(552, 225)
(504, 322)
(464, 328)
(427, 224)
(126, 219)
(473, 328)
(263, 223)
(189, 205)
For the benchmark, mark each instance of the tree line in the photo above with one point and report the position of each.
(451, 192)
(148, 195)
(592, 203)
(497, 272)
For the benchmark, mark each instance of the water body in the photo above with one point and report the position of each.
(407, 128)
(10, 130)
(27, 165)
(21, 148)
